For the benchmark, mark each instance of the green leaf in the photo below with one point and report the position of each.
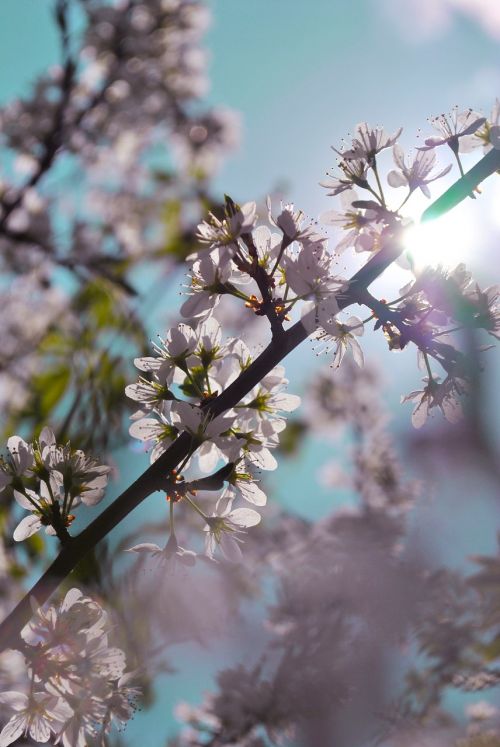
(49, 387)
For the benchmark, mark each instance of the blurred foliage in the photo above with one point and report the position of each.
(84, 364)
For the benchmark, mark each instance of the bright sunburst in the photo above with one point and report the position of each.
(446, 241)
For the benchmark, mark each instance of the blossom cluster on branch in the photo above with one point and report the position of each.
(77, 686)
(348, 590)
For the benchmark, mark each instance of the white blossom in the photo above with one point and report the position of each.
(169, 558)
(344, 334)
(416, 175)
(455, 130)
(224, 530)
(444, 395)
(368, 142)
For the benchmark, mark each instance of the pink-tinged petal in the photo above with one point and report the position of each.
(187, 415)
(355, 325)
(331, 218)
(12, 729)
(339, 355)
(425, 190)
(39, 729)
(24, 502)
(346, 242)
(208, 456)
(452, 410)
(396, 179)
(474, 126)
(263, 459)
(420, 413)
(357, 352)
(225, 502)
(15, 700)
(145, 547)
(399, 156)
(159, 449)
(28, 526)
(47, 438)
(230, 548)
(147, 363)
(286, 402)
(364, 242)
(186, 557)
(198, 304)
(244, 517)
(433, 142)
(72, 597)
(21, 452)
(252, 493)
(145, 429)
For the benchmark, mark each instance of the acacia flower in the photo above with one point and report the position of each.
(41, 507)
(170, 557)
(157, 430)
(454, 130)
(238, 220)
(38, 715)
(361, 225)
(486, 308)
(171, 352)
(242, 482)
(290, 221)
(416, 174)
(268, 246)
(84, 479)
(489, 134)
(309, 275)
(344, 335)
(368, 142)
(355, 174)
(77, 681)
(444, 395)
(267, 399)
(209, 279)
(224, 531)
(17, 463)
(205, 430)
(256, 445)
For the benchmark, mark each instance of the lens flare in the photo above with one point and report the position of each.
(446, 241)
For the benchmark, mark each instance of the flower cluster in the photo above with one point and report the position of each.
(78, 687)
(273, 272)
(437, 303)
(190, 368)
(440, 304)
(50, 481)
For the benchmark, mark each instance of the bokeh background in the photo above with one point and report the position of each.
(301, 75)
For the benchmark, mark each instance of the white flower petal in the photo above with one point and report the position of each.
(28, 526)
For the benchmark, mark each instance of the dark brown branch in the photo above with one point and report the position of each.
(154, 477)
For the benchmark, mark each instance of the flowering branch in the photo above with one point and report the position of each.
(238, 222)
(154, 477)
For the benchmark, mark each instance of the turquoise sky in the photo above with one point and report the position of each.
(301, 74)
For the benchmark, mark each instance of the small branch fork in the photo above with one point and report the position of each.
(154, 477)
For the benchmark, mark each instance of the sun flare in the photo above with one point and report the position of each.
(446, 241)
